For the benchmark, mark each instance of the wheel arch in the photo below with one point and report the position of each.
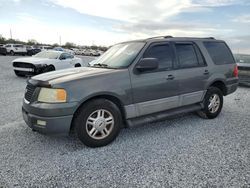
(51, 65)
(109, 97)
(220, 85)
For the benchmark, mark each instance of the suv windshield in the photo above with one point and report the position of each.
(119, 56)
(48, 54)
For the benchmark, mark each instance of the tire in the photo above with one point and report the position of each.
(212, 110)
(93, 131)
(48, 69)
(12, 53)
(78, 65)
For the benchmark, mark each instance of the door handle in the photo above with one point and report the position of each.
(170, 77)
(206, 72)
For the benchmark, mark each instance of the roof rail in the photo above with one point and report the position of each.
(209, 38)
(168, 36)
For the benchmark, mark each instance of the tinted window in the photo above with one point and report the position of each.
(163, 53)
(200, 57)
(219, 52)
(18, 46)
(186, 55)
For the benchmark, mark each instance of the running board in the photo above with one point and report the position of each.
(162, 115)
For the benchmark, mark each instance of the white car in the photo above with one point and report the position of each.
(14, 49)
(45, 48)
(45, 61)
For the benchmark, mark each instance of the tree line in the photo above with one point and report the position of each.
(33, 42)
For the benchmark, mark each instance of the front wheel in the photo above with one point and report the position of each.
(12, 53)
(98, 122)
(48, 69)
(213, 102)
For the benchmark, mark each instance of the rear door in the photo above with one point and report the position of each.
(156, 90)
(192, 72)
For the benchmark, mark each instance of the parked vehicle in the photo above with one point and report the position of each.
(3, 50)
(32, 50)
(14, 49)
(132, 83)
(45, 61)
(64, 50)
(46, 48)
(244, 73)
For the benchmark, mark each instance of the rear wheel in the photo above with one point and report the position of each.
(98, 122)
(213, 102)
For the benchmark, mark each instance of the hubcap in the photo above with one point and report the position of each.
(100, 124)
(214, 103)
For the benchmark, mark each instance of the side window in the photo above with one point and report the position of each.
(186, 55)
(219, 52)
(200, 57)
(163, 53)
(69, 56)
(63, 56)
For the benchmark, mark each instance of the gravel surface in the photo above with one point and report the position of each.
(180, 152)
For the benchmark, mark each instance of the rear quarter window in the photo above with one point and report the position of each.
(219, 52)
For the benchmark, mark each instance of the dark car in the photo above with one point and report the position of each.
(3, 50)
(32, 50)
(134, 82)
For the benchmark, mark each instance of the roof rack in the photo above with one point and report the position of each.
(168, 36)
(209, 38)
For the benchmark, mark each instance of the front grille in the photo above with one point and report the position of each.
(29, 91)
(23, 65)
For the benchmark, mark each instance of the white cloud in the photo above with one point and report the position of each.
(131, 10)
(242, 19)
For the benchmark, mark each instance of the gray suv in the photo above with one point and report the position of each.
(134, 82)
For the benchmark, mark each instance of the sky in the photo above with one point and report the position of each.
(106, 22)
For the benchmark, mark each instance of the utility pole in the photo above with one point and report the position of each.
(60, 41)
(10, 34)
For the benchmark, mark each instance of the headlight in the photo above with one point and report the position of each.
(50, 95)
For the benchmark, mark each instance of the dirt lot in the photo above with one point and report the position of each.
(182, 152)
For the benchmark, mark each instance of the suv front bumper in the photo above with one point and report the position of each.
(49, 118)
(53, 125)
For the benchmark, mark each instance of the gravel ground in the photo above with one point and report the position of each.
(180, 152)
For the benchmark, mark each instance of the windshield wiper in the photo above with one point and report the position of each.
(100, 65)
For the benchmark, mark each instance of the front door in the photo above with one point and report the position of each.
(156, 90)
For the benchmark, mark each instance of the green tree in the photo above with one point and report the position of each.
(32, 42)
(69, 45)
(2, 40)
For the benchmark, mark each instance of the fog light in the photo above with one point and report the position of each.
(40, 122)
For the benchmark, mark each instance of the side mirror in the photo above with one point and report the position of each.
(147, 64)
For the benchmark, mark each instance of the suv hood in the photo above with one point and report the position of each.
(56, 77)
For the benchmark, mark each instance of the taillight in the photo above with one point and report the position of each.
(236, 71)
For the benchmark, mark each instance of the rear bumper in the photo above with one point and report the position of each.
(232, 85)
(232, 88)
(48, 125)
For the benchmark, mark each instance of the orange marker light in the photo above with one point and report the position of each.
(61, 95)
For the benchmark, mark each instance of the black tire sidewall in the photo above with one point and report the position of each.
(83, 114)
(48, 69)
(210, 92)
